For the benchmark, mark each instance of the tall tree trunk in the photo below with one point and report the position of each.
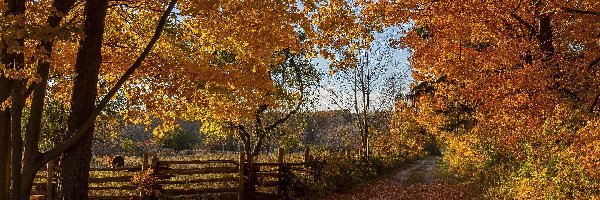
(5, 87)
(16, 60)
(16, 137)
(76, 160)
(34, 124)
(16, 112)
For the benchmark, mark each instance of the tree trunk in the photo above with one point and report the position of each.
(16, 112)
(16, 137)
(34, 124)
(250, 184)
(16, 60)
(5, 87)
(76, 160)
(545, 36)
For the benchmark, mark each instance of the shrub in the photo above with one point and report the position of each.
(179, 139)
(333, 171)
(147, 184)
(558, 160)
(129, 147)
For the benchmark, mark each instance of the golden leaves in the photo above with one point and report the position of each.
(214, 58)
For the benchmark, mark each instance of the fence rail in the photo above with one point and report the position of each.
(186, 177)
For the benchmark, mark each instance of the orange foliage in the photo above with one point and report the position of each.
(510, 87)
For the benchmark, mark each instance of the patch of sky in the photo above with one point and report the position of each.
(383, 53)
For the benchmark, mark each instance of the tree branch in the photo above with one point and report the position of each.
(297, 108)
(524, 23)
(577, 11)
(29, 90)
(80, 132)
(595, 62)
(261, 134)
(591, 109)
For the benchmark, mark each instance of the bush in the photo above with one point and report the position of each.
(179, 140)
(129, 147)
(558, 160)
(333, 171)
(147, 184)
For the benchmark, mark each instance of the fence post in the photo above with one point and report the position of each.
(307, 158)
(144, 168)
(154, 165)
(49, 178)
(145, 162)
(241, 175)
(281, 180)
(280, 155)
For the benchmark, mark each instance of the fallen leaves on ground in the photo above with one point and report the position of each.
(403, 186)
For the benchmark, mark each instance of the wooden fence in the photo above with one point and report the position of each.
(46, 181)
(229, 179)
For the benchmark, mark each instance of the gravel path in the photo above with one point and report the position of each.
(417, 181)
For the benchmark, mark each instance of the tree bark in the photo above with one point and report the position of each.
(16, 112)
(5, 87)
(76, 160)
(545, 36)
(32, 134)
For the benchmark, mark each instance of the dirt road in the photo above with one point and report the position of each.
(421, 180)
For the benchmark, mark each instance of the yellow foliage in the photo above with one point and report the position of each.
(406, 139)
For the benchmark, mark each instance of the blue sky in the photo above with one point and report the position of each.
(396, 62)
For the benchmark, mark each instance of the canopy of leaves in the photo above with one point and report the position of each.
(511, 90)
(214, 60)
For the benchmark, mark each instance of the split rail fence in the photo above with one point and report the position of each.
(227, 179)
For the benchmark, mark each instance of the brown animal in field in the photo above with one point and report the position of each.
(115, 161)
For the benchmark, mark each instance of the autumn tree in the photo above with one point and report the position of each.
(406, 138)
(25, 165)
(190, 75)
(354, 60)
(511, 90)
(293, 79)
